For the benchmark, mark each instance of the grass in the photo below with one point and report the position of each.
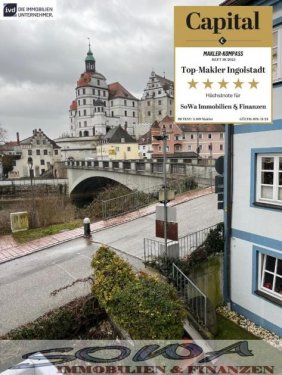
(228, 330)
(33, 234)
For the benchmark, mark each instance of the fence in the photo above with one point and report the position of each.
(129, 202)
(194, 298)
(154, 249)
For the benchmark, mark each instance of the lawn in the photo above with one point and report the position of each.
(33, 234)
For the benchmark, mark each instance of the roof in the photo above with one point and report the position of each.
(86, 77)
(8, 146)
(201, 127)
(167, 119)
(29, 140)
(145, 139)
(115, 135)
(155, 125)
(89, 56)
(166, 83)
(116, 90)
(73, 105)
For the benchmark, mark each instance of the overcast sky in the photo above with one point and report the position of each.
(41, 60)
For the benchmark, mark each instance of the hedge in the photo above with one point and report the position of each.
(145, 306)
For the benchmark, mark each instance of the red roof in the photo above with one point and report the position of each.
(116, 90)
(73, 105)
(84, 79)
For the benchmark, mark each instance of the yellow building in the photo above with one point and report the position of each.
(117, 144)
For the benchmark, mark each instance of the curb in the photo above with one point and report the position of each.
(126, 220)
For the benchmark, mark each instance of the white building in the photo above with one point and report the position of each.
(253, 200)
(98, 106)
(37, 152)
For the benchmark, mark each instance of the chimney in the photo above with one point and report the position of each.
(18, 138)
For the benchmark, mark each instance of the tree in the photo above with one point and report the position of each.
(3, 134)
(7, 163)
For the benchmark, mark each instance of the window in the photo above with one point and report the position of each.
(83, 91)
(79, 113)
(177, 148)
(209, 136)
(149, 113)
(104, 93)
(85, 123)
(42, 162)
(270, 277)
(84, 112)
(125, 102)
(79, 124)
(44, 141)
(112, 113)
(93, 91)
(29, 152)
(84, 101)
(98, 83)
(133, 114)
(269, 179)
(133, 104)
(37, 152)
(45, 152)
(221, 136)
(200, 135)
(159, 92)
(112, 102)
(160, 112)
(192, 136)
(56, 152)
(276, 54)
(148, 102)
(176, 137)
(78, 92)
(38, 142)
(125, 113)
(221, 147)
(189, 147)
(99, 92)
(159, 102)
(128, 148)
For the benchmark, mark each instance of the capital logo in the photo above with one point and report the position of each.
(10, 10)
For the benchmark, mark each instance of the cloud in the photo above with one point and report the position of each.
(42, 60)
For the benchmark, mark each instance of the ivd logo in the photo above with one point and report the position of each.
(10, 10)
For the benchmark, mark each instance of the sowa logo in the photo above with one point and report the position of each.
(10, 10)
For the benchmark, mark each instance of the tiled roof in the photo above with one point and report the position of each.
(201, 127)
(167, 119)
(29, 140)
(115, 135)
(166, 83)
(85, 79)
(73, 105)
(145, 139)
(155, 125)
(116, 90)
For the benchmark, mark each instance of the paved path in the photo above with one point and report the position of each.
(10, 249)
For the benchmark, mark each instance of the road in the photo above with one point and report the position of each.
(26, 283)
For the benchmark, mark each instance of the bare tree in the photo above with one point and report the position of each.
(3, 134)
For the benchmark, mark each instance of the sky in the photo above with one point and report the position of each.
(41, 60)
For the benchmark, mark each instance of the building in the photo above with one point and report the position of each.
(37, 152)
(98, 106)
(253, 203)
(207, 141)
(157, 100)
(117, 144)
(145, 145)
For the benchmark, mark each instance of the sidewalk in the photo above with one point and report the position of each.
(10, 250)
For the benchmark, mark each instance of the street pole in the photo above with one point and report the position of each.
(164, 136)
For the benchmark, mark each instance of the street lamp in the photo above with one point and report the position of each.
(31, 175)
(164, 138)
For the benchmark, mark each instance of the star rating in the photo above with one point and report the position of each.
(253, 84)
(223, 84)
(192, 83)
(238, 84)
(208, 84)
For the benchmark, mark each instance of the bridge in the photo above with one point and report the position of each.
(141, 175)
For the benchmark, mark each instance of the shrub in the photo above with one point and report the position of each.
(145, 306)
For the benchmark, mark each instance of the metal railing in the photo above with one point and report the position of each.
(154, 249)
(129, 202)
(195, 300)
(190, 242)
